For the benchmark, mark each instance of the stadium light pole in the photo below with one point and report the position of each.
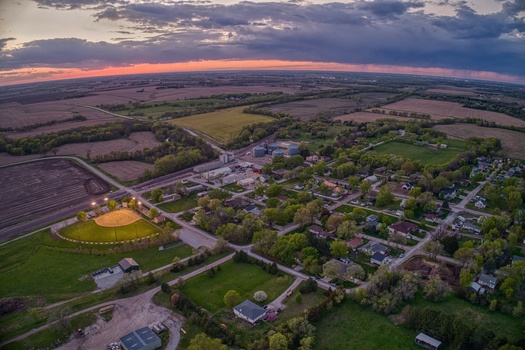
(93, 204)
(106, 201)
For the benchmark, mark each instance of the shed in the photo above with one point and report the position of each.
(141, 339)
(427, 342)
(249, 311)
(128, 264)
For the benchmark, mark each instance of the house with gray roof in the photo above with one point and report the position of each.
(249, 311)
(488, 281)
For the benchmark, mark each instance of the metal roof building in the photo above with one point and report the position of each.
(427, 342)
(141, 339)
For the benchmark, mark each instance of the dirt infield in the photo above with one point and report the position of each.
(39, 188)
(126, 170)
(440, 109)
(117, 218)
(513, 142)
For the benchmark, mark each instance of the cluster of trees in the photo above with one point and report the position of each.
(386, 290)
(453, 331)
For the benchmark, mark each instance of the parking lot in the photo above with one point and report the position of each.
(106, 279)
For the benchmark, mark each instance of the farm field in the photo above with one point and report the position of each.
(136, 141)
(513, 142)
(441, 109)
(364, 117)
(29, 264)
(352, 326)
(126, 170)
(452, 90)
(425, 155)
(18, 115)
(42, 187)
(308, 109)
(246, 279)
(220, 125)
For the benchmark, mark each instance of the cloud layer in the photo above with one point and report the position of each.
(383, 32)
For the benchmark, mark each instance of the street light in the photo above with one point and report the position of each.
(93, 204)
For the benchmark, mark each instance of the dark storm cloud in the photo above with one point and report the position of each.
(387, 32)
(3, 42)
(74, 4)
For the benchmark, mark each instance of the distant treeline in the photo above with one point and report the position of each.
(76, 118)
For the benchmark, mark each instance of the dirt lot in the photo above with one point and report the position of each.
(513, 142)
(38, 188)
(18, 115)
(424, 268)
(129, 315)
(440, 109)
(137, 141)
(127, 170)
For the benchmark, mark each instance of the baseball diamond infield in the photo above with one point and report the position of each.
(117, 218)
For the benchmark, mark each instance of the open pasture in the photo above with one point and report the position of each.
(17, 115)
(246, 279)
(425, 155)
(34, 189)
(126, 170)
(221, 125)
(136, 141)
(441, 109)
(513, 142)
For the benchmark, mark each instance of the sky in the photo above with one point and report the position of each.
(57, 39)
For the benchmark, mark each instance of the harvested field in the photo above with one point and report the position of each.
(441, 109)
(126, 170)
(38, 188)
(365, 117)
(309, 109)
(221, 125)
(513, 142)
(17, 115)
(136, 141)
(6, 158)
(117, 218)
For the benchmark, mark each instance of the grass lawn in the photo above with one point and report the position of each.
(352, 326)
(501, 324)
(89, 231)
(179, 205)
(425, 155)
(234, 188)
(244, 278)
(221, 125)
(55, 275)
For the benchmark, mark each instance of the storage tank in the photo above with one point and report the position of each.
(293, 150)
(273, 146)
(277, 153)
(258, 151)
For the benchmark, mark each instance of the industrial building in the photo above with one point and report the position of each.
(214, 174)
(141, 339)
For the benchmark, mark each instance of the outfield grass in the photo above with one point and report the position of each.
(425, 155)
(246, 279)
(221, 125)
(179, 205)
(54, 275)
(504, 325)
(352, 326)
(89, 231)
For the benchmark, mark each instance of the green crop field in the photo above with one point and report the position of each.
(246, 279)
(425, 155)
(32, 268)
(161, 109)
(221, 125)
(352, 326)
(89, 231)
